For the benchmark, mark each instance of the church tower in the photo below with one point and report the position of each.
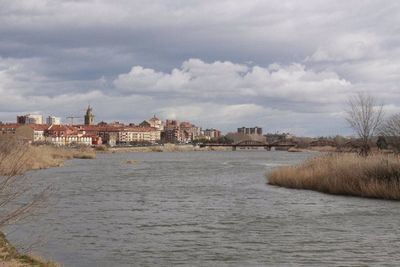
(89, 117)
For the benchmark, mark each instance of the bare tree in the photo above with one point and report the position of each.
(391, 131)
(17, 197)
(365, 117)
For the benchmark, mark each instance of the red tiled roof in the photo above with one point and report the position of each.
(100, 128)
(10, 125)
(38, 127)
(138, 129)
(61, 128)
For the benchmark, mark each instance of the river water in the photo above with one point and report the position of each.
(202, 209)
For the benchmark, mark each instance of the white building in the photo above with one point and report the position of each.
(50, 120)
(139, 134)
(32, 132)
(34, 119)
(69, 140)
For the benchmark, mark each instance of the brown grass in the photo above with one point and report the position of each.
(375, 176)
(9, 257)
(17, 158)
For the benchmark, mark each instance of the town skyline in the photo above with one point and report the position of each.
(33, 129)
(49, 119)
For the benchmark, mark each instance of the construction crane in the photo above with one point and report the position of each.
(71, 118)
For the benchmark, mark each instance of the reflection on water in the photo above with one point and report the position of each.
(203, 208)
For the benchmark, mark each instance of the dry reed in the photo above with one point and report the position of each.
(375, 176)
(17, 158)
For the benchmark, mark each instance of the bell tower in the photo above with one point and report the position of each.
(89, 117)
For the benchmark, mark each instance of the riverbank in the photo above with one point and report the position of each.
(162, 148)
(375, 176)
(314, 149)
(18, 158)
(30, 157)
(10, 257)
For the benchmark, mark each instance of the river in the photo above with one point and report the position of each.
(202, 208)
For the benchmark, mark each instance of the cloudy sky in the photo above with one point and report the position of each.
(283, 65)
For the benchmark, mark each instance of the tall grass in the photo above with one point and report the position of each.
(375, 176)
(17, 158)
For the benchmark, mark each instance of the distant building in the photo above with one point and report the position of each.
(188, 132)
(278, 137)
(89, 116)
(197, 132)
(30, 119)
(171, 123)
(8, 128)
(156, 123)
(63, 135)
(144, 124)
(116, 124)
(32, 132)
(70, 140)
(212, 133)
(171, 132)
(138, 135)
(21, 119)
(107, 133)
(239, 137)
(250, 130)
(53, 120)
(61, 130)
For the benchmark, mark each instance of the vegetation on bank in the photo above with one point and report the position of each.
(9, 256)
(17, 158)
(364, 174)
(374, 176)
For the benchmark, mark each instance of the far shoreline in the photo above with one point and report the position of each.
(159, 148)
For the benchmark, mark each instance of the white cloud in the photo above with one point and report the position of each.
(227, 80)
(348, 47)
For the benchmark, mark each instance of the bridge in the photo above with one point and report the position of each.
(252, 144)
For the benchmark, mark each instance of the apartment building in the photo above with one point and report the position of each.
(53, 120)
(70, 140)
(212, 133)
(138, 134)
(250, 130)
(30, 119)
